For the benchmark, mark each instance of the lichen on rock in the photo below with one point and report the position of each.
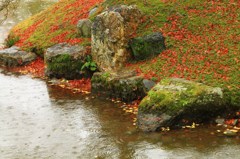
(110, 36)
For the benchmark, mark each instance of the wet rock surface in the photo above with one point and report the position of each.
(65, 61)
(111, 32)
(123, 85)
(14, 56)
(147, 46)
(173, 100)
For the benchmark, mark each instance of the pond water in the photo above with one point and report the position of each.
(44, 122)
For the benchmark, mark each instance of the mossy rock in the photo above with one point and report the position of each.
(174, 99)
(124, 86)
(111, 31)
(65, 61)
(147, 46)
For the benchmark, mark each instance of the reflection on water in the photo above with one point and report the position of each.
(38, 121)
(25, 8)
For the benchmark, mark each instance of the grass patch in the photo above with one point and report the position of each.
(11, 40)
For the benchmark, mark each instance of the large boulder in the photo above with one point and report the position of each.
(84, 28)
(125, 86)
(147, 46)
(14, 56)
(174, 101)
(111, 32)
(65, 61)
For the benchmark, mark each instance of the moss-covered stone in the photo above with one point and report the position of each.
(100, 83)
(64, 66)
(147, 46)
(232, 96)
(65, 61)
(125, 86)
(179, 99)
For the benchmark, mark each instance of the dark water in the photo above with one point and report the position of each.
(43, 122)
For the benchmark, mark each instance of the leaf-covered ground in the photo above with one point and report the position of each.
(202, 37)
(55, 25)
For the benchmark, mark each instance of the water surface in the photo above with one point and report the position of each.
(39, 121)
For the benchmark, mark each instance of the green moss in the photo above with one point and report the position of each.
(158, 101)
(56, 26)
(37, 50)
(155, 11)
(64, 64)
(106, 75)
(43, 35)
(143, 50)
(172, 96)
(11, 40)
(232, 97)
(207, 33)
(127, 89)
(101, 78)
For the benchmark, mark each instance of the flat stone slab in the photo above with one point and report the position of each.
(14, 56)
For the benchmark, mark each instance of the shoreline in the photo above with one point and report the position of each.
(225, 128)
